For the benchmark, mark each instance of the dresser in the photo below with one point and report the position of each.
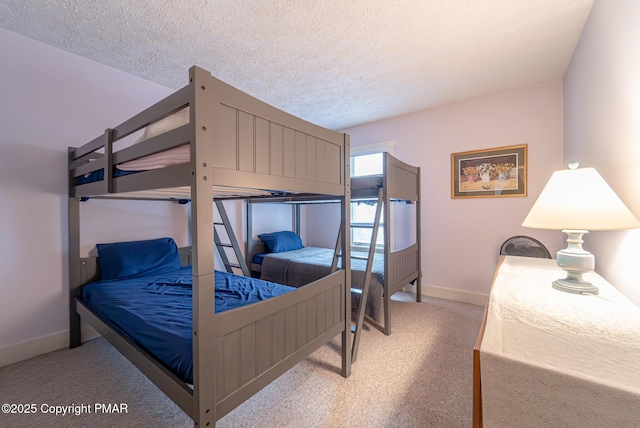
(547, 358)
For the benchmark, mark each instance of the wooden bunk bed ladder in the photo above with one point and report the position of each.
(241, 264)
(364, 293)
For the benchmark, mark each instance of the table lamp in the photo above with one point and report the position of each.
(577, 200)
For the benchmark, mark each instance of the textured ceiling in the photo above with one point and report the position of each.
(337, 63)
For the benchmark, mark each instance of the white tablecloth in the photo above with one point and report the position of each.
(555, 359)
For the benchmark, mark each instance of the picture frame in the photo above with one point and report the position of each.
(489, 173)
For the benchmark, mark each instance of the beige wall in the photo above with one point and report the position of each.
(461, 238)
(602, 126)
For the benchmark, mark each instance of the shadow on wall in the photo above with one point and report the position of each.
(25, 166)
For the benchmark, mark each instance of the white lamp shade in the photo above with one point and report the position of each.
(579, 199)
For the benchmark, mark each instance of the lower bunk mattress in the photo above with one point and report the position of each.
(155, 311)
(302, 266)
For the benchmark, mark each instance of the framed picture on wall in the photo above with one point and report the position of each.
(489, 173)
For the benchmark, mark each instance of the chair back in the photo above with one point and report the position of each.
(524, 246)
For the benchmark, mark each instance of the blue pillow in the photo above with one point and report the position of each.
(138, 258)
(277, 242)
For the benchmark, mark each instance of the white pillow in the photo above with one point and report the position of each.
(176, 120)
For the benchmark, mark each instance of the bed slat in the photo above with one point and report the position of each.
(171, 176)
(89, 167)
(95, 144)
(264, 344)
(277, 335)
(168, 140)
(289, 152)
(262, 148)
(275, 154)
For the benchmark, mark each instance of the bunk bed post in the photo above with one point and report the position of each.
(108, 161)
(418, 240)
(248, 234)
(201, 119)
(346, 258)
(75, 337)
(387, 241)
(295, 214)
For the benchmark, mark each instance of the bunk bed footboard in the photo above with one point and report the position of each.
(254, 344)
(404, 267)
(258, 343)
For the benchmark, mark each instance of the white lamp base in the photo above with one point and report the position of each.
(575, 261)
(574, 286)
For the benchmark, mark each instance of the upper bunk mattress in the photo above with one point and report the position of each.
(175, 156)
(156, 311)
(163, 159)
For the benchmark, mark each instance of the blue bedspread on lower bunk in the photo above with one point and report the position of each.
(302, 266)
(156, 311)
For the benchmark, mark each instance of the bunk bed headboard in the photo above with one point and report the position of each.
(90, 270)
(255, 141)
(256, 246)
(402, 179)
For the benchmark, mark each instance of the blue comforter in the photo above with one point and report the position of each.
(156, 311)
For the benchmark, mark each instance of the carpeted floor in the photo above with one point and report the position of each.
(419, 376)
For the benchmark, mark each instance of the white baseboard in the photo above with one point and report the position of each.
(451, 294)
(32, 348)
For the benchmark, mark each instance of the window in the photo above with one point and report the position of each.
(367, 160)
(366, 164)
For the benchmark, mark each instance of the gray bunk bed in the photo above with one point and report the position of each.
(239, 147)
(385, 273)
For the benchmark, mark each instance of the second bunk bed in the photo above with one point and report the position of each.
(377, 273)
(236, 147)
